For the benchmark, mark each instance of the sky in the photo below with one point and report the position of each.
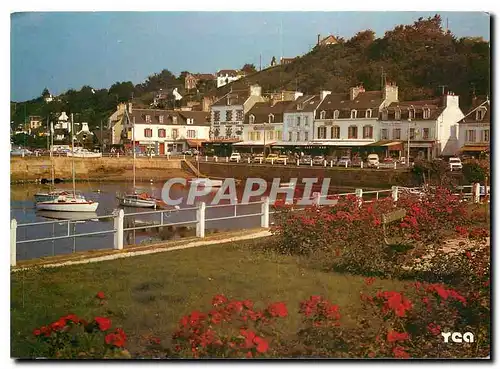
(68, 50)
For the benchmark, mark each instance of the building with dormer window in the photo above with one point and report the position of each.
(474, 128)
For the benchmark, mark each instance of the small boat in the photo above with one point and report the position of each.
(137, 200)
(49, 195)
(206, 182)
(70, 202)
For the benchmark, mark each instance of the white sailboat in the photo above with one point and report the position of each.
(136, 199)
(67, 201)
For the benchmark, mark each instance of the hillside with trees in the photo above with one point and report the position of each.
(421, 58)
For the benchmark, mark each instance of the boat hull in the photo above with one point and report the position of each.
(68, 206)
(67, 215)
(137, 203)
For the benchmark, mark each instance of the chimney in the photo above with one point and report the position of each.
(354, 91)
(324, 94)
(450, 99)
(255, 90)
(318, 38)
(297, 95)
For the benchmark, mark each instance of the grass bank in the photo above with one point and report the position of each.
(147, 295)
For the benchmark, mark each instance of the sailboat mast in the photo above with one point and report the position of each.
(133, 143)
(51, 151)
(73, 156)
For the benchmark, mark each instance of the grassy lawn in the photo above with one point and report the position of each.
(149, 294)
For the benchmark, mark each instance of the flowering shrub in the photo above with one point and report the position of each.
(231, 329)
(73, 337)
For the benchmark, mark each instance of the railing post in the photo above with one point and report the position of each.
(13, 241)
(331, 163)
(272, 161)
(248, 160)
(206, 157)
(118, 226)
(298, 162)
(197, 159)
(346, 164)
(311, 163)
(359, 196)
(117, 154)
(395, 193)
(361, 164)
(238, 160)
(215, 157)
(285, 162)
(324, 163)
(227, 159)
(395, 165)
(264, 220)
(476, 194)
(200, 220)
(260, 159)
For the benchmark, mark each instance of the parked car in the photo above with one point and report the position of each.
(373, 160)
(20, 152)
(343, 160)
(306, 159)
(258, 158)
(319, 160)
(271, 158)
(281, 159)
(455, 164)
(235, 156)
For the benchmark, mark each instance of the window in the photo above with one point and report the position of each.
(298, 136)
(174, 119)
(148, 118)
(354, 113)
(300, 106)
(216, 115)
(384, 134)
(270, 135)
(271, 118)
(471, 135)
(427, 113)
(352, 132)
(486, 135)
(190, 121)
(289, 136)
(175, 133)
(322, 115)
(321, 133)
(412, 133)
(368, 132)
(397, 114)
(306, 136)
(250, 136)
(298, 121)
(335, 132)
(306, 123)
(396, 133)
(251, 119)
(425, 133)
(191, 133)
(368, 113)
(229, 115)
(161, 119)
(411, 113)
(148, 132)
(480, 113)
(336, 114)
(257, 134)
(385, 114)
(162, 133)
(239, 115)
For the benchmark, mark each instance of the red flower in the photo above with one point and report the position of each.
(100, 295)
(219, 300)
(247, 304)
(72, 318)
(116, 339)
(249, 355)
(468, 254)
(154, 340)
(278, 309)
(369, 281)
(400, 353)
(262, 345)
(46, 331)
(434, 329)
(103, 323)
(37, 332)
(393, 336)
(58, 325)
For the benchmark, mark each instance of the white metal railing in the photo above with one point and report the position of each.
(200, 220)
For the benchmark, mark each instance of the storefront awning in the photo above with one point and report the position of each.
(195, 143)
(348, 143)
(254, 143)
(479, 148)
(386, 143)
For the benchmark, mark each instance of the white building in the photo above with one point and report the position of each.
(432, 126)
(348, 121)
(228, 113)
(298, 127)
(226, 76)
(166, 130)
(63, 122)
(474, 129)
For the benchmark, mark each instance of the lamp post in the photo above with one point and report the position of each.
(408, 151)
